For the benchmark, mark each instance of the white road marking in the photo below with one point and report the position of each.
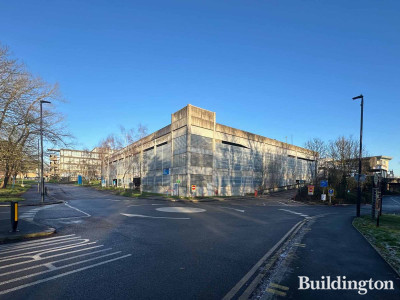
(52, 268)
(186, 210)
(57, 261)
(61, 275)
(142, 205)
(39, 252)
(143, 216)
(395, 201)
(77, 209)
(294, 212)
(30, 215)
(51, 256)
(50, 243)
(239, 210)
(22, 244)
(37, 263)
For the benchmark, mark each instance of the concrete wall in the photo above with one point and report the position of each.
(195, 150)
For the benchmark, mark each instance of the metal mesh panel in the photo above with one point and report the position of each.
(163, 157)
(201, 160)
(180, 160)
(180, 144)
(200, 180)
(201, 142)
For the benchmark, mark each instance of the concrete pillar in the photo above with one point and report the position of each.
(188, 155)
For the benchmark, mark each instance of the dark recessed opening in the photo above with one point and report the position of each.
(233, 144)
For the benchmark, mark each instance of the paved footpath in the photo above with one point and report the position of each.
(331, 246)
(27, 210)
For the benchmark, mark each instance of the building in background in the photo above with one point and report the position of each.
(67, 164)
(378, 164)
(54, 168)
(194, 154)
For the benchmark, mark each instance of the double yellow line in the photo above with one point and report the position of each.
(276, 291)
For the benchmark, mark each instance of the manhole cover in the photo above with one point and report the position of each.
(187, 210)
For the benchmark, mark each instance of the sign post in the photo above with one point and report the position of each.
(193, 188)
(177, 186)
(331, 191)
(323, 184)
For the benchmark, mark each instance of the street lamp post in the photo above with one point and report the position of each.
(360, 155)
(41, 152)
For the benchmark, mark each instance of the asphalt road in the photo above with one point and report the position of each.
(112, 247)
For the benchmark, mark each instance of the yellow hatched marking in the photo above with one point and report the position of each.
(272, 291)
(282, 287)
(299, 245)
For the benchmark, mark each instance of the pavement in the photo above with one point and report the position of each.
(330, 246)
(27, 228)
(114, 247)
(32, 197)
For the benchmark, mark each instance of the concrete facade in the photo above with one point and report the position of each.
(217, 159)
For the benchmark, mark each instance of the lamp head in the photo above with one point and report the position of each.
(358, 97)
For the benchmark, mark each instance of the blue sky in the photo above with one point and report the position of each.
(275, 68)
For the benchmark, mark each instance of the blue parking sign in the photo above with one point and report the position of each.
(324, 183)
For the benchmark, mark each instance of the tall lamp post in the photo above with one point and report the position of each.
(41, 152)
(360, 155)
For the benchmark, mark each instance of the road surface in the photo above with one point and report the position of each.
(112, 247)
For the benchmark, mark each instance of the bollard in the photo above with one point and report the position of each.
(14, 216)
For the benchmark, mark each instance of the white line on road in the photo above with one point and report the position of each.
(52, 268)
(56, 261)
(18, 245)
(142, 205)
(257, 266)
(395, 201)
(77, 209)
(143, 216)
(294, 212)
(49, 243)
(61, 275)
(38, 253)
(51, 256)
(239, 210)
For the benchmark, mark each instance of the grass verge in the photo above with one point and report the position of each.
(13, 193)
(385, 238)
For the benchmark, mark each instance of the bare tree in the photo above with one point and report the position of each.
(319, 149)
(20, 95)
(124, 143)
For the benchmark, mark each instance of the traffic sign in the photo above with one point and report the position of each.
(178, 181)
(324, 183)
(193, 187)
(331, 192)
(310, 190)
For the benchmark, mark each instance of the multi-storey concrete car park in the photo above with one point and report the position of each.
(217, 159)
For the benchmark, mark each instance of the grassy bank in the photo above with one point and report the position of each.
(14, 193)
(385, 238)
